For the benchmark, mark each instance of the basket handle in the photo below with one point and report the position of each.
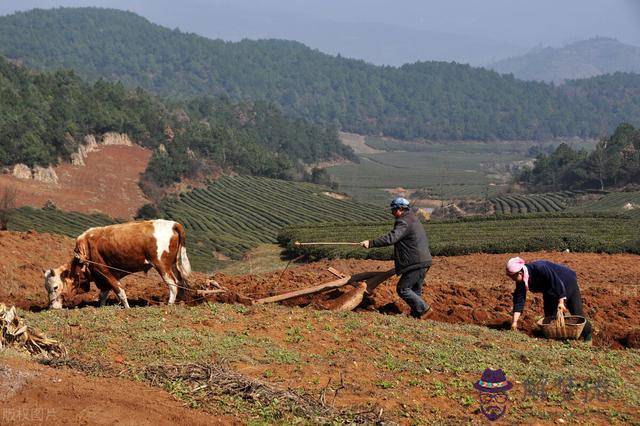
(560, 317)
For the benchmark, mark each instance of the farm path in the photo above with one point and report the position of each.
(461, 289)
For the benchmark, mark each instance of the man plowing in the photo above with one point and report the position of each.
(412, 258)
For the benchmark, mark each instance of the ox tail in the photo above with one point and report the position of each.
(184, 266)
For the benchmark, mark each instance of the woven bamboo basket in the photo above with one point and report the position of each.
(561, 326)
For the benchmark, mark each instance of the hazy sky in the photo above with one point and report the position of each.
(490, 29)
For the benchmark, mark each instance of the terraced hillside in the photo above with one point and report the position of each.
(54, 221)
(626, 203)
(547, 202)
(235, 214)
(616, 202)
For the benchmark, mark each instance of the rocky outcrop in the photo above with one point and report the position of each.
(113, 138)
(22, 171)
(89, 143)
(43, 174)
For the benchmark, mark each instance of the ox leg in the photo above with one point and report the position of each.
(173, 288)
(107, 283)
(103, 297)
(122, 296)
(181, 283)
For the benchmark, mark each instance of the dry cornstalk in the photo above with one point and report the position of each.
(14, 331)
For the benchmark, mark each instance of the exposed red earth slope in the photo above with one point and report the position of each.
(108, 183)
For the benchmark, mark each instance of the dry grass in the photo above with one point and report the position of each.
(203, 382)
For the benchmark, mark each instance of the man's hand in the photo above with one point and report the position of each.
(514, 326)
(365, 244)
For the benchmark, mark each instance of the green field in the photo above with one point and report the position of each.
(53, 221)
(236, 214)
(579, 201)
(451, 170)
(471, 147)
(441, 171)
(604, 233)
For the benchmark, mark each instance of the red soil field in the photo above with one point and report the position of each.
(463, 289)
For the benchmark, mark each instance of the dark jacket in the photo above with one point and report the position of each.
(410, 243)
(553, 280)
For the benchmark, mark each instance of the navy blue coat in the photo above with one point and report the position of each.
(554, 281)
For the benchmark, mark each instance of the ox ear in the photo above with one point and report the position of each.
(46, 272)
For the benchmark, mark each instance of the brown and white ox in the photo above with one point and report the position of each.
(106, 254)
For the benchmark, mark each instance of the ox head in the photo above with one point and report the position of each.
(62, 280)
(56, 281)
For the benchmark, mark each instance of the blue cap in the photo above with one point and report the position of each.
(399, 203)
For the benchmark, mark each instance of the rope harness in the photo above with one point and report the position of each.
(77, 256)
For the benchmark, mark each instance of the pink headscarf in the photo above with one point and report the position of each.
(516, 264)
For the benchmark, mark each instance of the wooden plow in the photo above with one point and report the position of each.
(364, 282)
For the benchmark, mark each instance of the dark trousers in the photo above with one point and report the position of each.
(573, 303)
(409, 288)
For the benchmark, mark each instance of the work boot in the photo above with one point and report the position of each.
(423, 314)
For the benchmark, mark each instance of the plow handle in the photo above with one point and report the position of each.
(326, 243)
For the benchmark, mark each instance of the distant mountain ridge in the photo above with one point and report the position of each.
(582, 59)
(428, 100)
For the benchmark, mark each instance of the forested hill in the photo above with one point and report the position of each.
(614, 163)
(431, 100)
(44, 116)
(583, 59)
